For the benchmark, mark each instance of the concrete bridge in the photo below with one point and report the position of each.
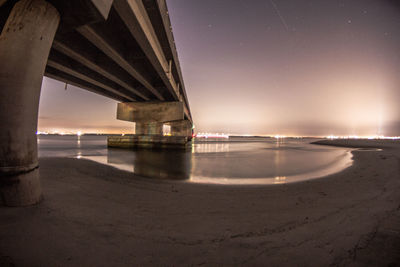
(121, 49)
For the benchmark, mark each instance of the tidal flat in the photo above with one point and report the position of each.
(96, 215)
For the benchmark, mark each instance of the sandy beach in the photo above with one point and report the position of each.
(96, 215)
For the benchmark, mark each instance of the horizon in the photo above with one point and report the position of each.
(227, 135)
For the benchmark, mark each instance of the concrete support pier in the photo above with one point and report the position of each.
(25, 43)
(150, 121)
(151, 135)
(151, 128)
(181, 128)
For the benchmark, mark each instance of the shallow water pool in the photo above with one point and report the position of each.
(237, 161)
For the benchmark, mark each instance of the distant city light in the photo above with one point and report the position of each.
(363, 137)
(211, 135)
(226, 136)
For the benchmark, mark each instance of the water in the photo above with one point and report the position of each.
(240, 161)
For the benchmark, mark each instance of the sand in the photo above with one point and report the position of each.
(95, 215)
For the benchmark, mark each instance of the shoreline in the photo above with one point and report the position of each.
(96, 215)
(338, 166)
(334, 165)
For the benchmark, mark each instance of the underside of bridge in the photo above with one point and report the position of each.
(121, 49)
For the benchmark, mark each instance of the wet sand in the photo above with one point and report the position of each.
(95, 215)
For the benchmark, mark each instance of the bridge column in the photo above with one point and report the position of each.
(150, 118)
(151, 128)
(181, 128)
(25, 43)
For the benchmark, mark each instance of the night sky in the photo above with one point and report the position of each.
(291, 67)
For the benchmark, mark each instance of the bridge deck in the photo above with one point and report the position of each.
(121, 49)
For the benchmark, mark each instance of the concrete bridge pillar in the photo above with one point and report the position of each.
(150, 118)
(181, 128)
(151, 128)
(25, 43)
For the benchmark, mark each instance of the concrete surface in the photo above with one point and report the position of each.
(150, 111)
(148, 141)
(25, 44)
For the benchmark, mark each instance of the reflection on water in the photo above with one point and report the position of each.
(162, 164)
(210, 147)
(280, 180)
(261, 161)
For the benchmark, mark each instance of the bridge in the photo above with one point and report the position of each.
(121, 49)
